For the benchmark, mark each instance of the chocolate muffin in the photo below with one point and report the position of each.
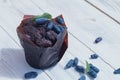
(44, 40)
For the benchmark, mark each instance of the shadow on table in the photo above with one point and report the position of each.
(13, 64)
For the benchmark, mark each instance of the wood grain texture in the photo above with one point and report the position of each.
(86, 27)
(109, 7)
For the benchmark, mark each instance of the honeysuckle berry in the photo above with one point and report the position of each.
(82, 78)
(30, 75)
(92, 73)
(69, 64)
(80, 69)
(94, 68)
(41, 21)
(60, 20)
(117, 71)
(50, 25)
(75, 61)
(98, 40)
(94, 56)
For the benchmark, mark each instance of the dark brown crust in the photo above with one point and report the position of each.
(35, 55)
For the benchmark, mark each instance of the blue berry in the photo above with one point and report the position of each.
(98, 40)
(50, 25)
(30, 75)
(61, 27)
(80, 69)
(94, 56)
(117, 71)
(82, 78)
(94, 68)
(69, 64)
(41, 21)
(92, 73)
(57, 29)
(75, 61)
(60, 20)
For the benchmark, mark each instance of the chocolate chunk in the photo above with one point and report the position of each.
(33, 33)
(42, 31)
(51, 35)
(29, 29)
(43, 43)
(28, 36)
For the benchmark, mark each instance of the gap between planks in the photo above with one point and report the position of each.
(102, 11)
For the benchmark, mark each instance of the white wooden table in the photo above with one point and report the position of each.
(86, 20)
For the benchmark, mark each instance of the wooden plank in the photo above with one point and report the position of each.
(111, 8)
(87, 23)
(12, 61)
(56, 73)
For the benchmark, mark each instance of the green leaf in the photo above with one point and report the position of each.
(87, 67)
(44, 15)
(47, 15)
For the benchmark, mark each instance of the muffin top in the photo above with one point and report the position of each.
(42, 30)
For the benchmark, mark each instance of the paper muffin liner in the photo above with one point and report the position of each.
(39, 57)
